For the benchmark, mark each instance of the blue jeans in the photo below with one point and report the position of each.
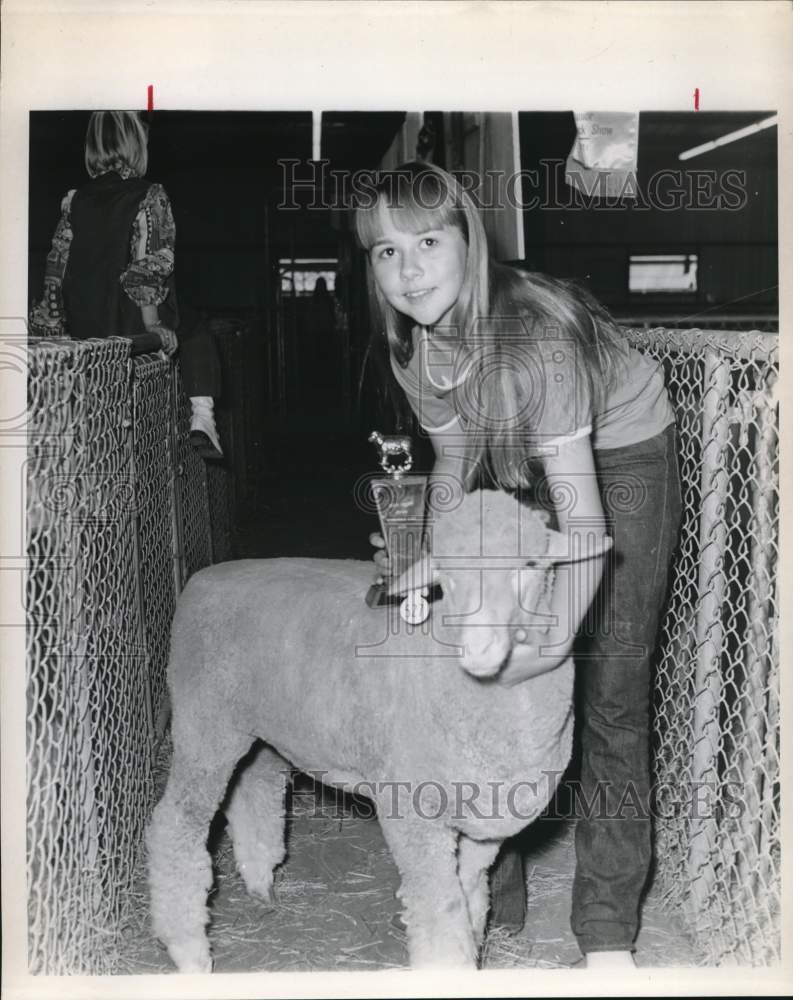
(640, 490)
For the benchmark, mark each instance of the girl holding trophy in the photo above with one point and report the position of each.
(523, 382)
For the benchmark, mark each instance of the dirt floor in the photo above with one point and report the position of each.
(335, 903)
(335, 892)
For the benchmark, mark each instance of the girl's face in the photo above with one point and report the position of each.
(420, 274)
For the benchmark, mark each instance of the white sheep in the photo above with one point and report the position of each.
(286, 651)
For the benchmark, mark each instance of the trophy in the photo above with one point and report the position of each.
(400, 502)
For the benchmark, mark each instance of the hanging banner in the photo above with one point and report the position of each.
(602, 162)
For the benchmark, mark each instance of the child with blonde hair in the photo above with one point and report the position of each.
(525, 382)
(110, 269)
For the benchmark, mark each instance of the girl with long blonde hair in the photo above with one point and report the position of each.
(525, 382)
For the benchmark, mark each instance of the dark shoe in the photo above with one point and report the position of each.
(508, 890)
(510, 926)
(204, 446)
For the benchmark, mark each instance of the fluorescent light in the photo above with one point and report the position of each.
(730, 137)
(310, 261)
(316, 134)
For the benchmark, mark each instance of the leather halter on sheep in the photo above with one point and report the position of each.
(285, 650)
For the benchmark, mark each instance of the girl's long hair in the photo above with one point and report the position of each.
(499, 315)
(534, 320)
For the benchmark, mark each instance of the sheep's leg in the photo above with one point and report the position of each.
(180, 868)
(474, 858)
(257, 820)
(435, 911)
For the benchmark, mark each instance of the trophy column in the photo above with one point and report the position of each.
(400, 500)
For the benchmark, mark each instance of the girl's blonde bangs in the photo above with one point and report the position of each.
(408, 214)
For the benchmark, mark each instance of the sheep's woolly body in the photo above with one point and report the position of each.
(361, 701)
(286, 651)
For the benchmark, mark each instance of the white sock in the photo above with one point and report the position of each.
(203, 418)
(618, 959)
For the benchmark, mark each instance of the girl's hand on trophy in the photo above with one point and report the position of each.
(381, 559)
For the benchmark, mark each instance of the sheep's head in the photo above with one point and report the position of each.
(492, 557)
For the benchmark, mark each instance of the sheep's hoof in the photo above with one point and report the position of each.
(266, 896)
(259, 884)
(193, 957)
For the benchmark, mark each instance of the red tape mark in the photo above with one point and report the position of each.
(151, 97)
(696, 98)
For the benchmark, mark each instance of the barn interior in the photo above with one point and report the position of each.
(258, 222)
(301, 395)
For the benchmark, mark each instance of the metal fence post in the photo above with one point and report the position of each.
(756, 724)
(709, 628)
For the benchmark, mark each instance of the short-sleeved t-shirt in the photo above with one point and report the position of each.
(553, 406)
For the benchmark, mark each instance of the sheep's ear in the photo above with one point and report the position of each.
(559, 549)
(421, 574)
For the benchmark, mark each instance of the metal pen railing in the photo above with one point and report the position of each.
(118, 516)
(716, 753)
(120, 511)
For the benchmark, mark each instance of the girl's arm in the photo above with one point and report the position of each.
(151, 320)
(151, 262)
(47, 318)
(573, 488)
(145, 280)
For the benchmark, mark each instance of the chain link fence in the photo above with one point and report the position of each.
(156, 571)
(716, 755)
(120, 512)
(750, 322)
(118, 516)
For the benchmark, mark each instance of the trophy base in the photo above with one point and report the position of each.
(377, 595)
